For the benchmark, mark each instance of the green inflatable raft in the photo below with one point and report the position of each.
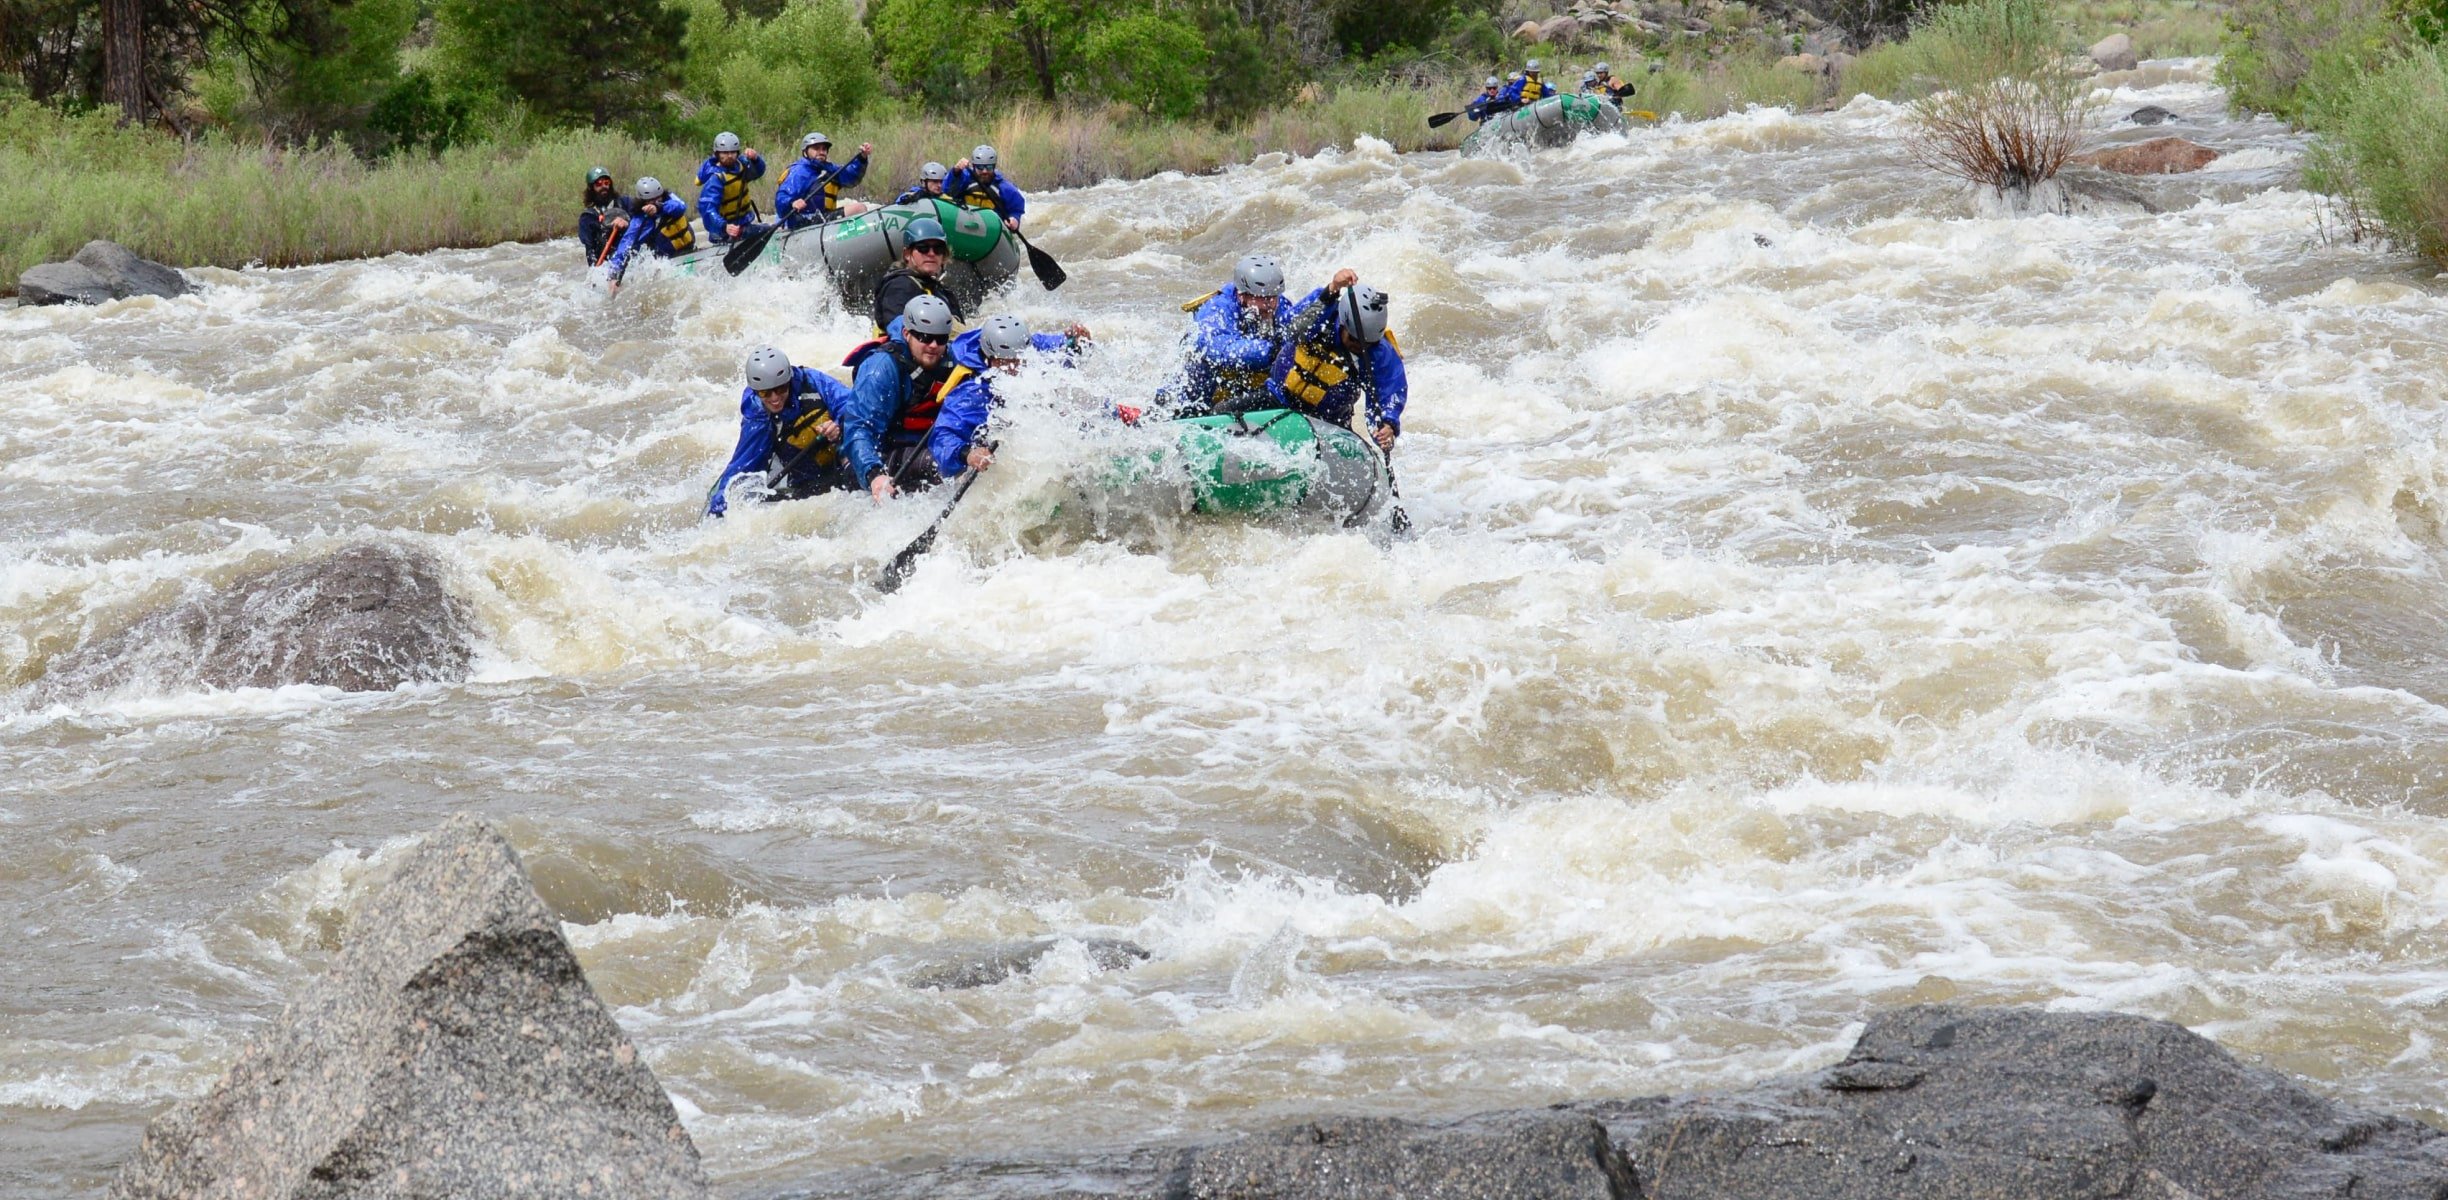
(1274, 461)
(857, 251)
(1549, 122)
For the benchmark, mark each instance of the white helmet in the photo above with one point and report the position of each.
(1494, 82)
(1363, 309)
(1001, 336)
(928, 315)
(768, 368)
(726, 141)
(1532, 66)
(1259, 275)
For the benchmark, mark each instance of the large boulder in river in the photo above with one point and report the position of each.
(2115, 53)
(1508, 1156)
(2158, 156)
(454, 1049)
(101, 271)
(2016, 1104)
(368, 617)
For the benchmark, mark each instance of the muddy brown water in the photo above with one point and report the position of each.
(1826, 594)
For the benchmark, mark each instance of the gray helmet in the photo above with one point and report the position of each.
(932, 173)
(649, 189)
(924, 229)
(1259, 275)
(983, 158)
(1363, 310)
(1589, 77)
(726, 141)
(1000, 337)
(1601, 69)
(813, 140)
(768, 368)
(928, 314)
(595, 173)
(1494, 82)
(1532, 66)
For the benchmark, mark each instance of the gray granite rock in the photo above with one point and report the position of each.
(454, 1049)
(996, 964)
(98, 272)
(2016, 1104)
(1510, 1156)
(2151, 114)
(367, 617)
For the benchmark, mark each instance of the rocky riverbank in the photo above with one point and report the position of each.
(455, 1048)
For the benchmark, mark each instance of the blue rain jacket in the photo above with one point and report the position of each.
(969, 399)
(815, 396)
(892, 402)
(1222, 363)
(712, 181)
(1318, 376)
(967, 188)
(1522, 91)
(1483, 106)
(819, 184)
(646, 229)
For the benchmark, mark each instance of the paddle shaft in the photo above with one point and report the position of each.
(897, 572)
(1049, 273)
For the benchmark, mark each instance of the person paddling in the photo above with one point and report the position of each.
(977, 182)
(1526, 87)
(924, 255)
(659, 222)
(895, 386)
(1341, 358)
(997, 347)
(1617, 90)
(811, 190)
(1485, 105)
(789, 428)
(1235, 333)
(930, 185)
(722, 195)
(603, 215)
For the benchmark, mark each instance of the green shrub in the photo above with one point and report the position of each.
(1886, 71)
(1149, 61)
(2386, 149)
(2011, 103)
(2281, 56)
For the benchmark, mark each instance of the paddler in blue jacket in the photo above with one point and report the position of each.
(1525, 88)
(1234, 335)
(1485, 105)
(1340, 357)
(994, 348)
(811, 190)
(976, 182)
(789, 427)
(660, 223)
(930, 185)
(895, 386)
(722, 191)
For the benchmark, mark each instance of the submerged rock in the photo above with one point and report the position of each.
(1002, 962)
(1933, 1103)
(2158, 156)
(368, 617)
(2151, 114)
(101, 271)
(454, 1049)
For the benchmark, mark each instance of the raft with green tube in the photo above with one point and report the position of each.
(1549, 122)
(1273, 461)
(857, 251)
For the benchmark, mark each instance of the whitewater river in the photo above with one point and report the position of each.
(1824, 596)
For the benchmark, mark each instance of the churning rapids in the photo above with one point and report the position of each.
(1825, 594)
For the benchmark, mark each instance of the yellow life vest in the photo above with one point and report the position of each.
(981, 194)
(1534, 88)
(676, 230)
(735, 204)
(1316, 369)
(803, 433)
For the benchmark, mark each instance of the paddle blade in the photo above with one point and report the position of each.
(746, 250)
(1441, 120)
(1049, 272)
(897, 572)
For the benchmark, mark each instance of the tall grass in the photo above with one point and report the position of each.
(2385, 151)
(210, 201)
(2281, 56)
(2011, 107)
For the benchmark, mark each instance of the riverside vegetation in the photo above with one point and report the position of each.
(300, 131)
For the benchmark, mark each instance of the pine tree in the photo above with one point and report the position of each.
(596, 63)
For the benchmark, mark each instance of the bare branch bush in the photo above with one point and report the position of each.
(2011, 104)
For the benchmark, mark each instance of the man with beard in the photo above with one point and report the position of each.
(603, 215)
